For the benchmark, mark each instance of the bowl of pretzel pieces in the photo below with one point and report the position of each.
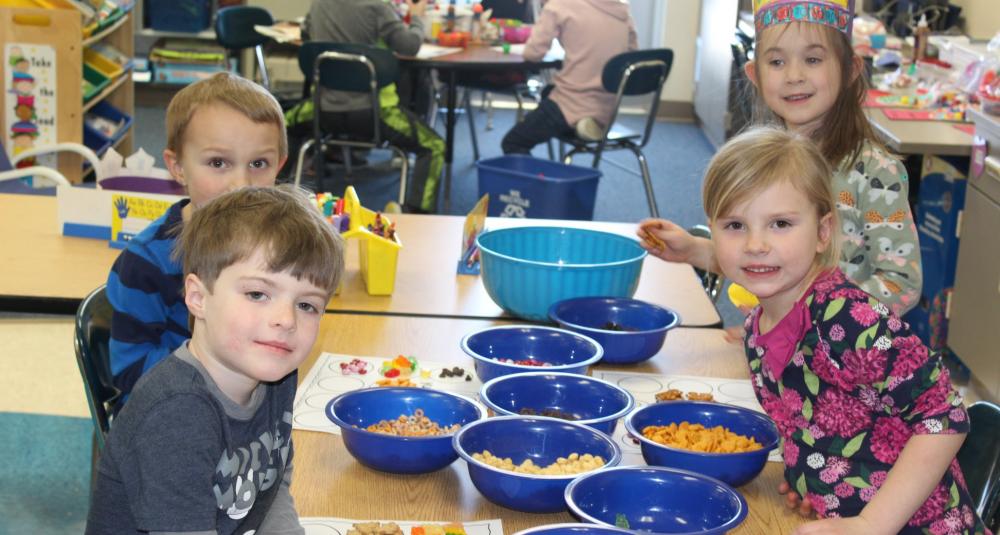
(727, 442)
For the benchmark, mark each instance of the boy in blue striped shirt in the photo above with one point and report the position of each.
(223, 133)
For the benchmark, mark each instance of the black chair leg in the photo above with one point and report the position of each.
(647, 181)
(467, 98)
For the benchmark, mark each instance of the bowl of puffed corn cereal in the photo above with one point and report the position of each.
(401, 430)
(525, 462)
(656, 499)
(727, 442)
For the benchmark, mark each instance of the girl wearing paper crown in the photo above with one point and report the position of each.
(808, 79)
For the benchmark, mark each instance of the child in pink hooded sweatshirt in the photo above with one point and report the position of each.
(591, 32)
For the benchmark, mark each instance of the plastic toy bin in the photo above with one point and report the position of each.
(524, 186)
(378, 255)
(179, 15)
(93, 82)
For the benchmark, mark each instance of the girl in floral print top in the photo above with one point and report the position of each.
(870, 423)
(808, 80)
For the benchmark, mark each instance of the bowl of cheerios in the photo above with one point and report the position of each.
(727, 442)
(525, 462)
(656, 499)
(401, 430)
(509, 349)
(570, 396)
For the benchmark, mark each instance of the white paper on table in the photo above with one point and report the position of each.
(430, 50)
(318, 525)
(325, 381)
(644, 386)
(281, 32)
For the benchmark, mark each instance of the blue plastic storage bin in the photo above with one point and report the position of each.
(106, 110)
(179, 15)
(524, 186)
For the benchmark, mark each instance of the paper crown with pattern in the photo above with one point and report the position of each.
(838, 14)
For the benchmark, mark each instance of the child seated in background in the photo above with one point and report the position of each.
(870, 422)
(223, 133)
(591, 32)
(204, 443)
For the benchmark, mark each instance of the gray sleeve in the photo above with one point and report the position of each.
(397, 36)
(282, 518)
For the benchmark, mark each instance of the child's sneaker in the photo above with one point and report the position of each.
(589, 129)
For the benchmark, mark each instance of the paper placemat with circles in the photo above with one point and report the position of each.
(327, 379)
(342, 526)
(645, 386)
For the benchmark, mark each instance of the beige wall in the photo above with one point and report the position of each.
(982, 17)
(680, 33)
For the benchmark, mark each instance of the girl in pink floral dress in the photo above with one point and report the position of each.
(869, 419)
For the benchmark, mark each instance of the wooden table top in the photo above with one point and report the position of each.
(328, 482)
(921, 137)
(38, 262)
(426, 283)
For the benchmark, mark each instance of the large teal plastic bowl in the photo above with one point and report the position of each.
(527, 269)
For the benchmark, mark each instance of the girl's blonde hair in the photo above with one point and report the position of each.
(753, 161)
(845, 127)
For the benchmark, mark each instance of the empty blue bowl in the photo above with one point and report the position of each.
(642, 326)
(593, 402)
(657, 500)
(566, 351)
(527, 269)
(355, 410)
(733, 468)
(573, 529)
(543, 440)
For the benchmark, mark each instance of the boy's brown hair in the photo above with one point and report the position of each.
(761, 157)
(230, 90)
(845, 127)
(282, 221)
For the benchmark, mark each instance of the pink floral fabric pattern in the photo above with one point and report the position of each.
(860, 385)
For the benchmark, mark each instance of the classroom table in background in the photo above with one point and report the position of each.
(940, 138)
(40, 266)
(427, 285)
(474, 58)
(328, 481)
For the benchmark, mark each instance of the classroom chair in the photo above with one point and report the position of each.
(8, 170)
(980, 461)
(91, 339)
(234, 31)
(712, 282)
(352, 68)
(636, 73)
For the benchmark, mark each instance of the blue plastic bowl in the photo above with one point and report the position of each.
(657, 500)
(543, 440)
(594, 402)
(645, 325)
(527, 269)
(733, 468)
(573, 529)
(355, 410)
(566, 351)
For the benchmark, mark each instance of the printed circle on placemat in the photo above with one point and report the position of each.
(747, 404)
(317, 529)
(311, 419)
(341, 383)
(627, 444)
(690, 385)
(639, 385)
(318, 400)
(737, 389)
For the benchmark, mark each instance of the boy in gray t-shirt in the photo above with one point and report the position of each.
(204, 444)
